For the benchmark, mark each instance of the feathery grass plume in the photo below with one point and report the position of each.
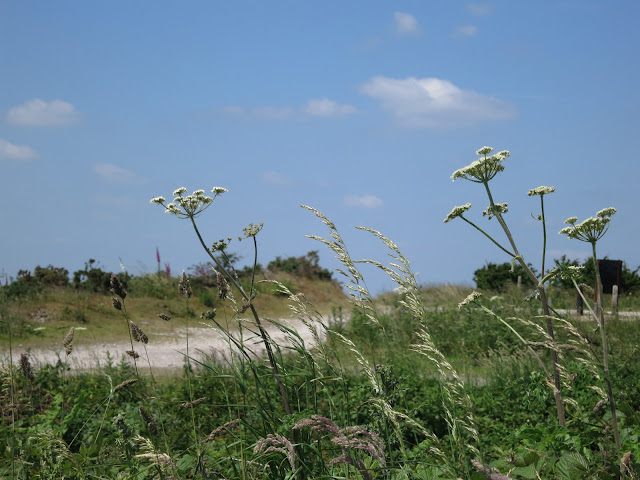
(184, 286)
(348, 439)
(25, 367)
(222, 430)
(149, 453)
(124, 384)
(193, 403)
(356, 286)
(115, 287)
(277, 443)
(164, 317)
(137, 333)
(67, 342)
(132, 353)
(457, 403)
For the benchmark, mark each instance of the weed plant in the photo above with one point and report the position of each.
(425, 383)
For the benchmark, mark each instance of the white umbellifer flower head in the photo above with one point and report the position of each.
(219, 190)
(497, 208)
(472, 297)
(606, 212)
(483, 169)
(188, 206)
(541, 190)
(457, 212)
(591, 229)
(484, 151)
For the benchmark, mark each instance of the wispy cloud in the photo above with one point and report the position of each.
(465, 31)
(435, 103)
(319, 107)
(10, 151)
(38, 113)
(114, 174)
(275, 178)
(323, 107)
(479, 9)
(406, 24)
(362, 201)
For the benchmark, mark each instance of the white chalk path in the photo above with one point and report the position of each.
(169, 351)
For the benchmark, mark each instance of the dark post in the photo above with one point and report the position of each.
(579, 303)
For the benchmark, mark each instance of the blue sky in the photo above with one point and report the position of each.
(361, 109)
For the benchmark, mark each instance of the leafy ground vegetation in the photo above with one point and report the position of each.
(422, 383)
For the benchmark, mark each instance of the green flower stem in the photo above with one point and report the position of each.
(488, 236)
(263, 332)
(605, 352)
(545, 307)
(544, 233)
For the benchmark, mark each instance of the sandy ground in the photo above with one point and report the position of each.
(169, 351)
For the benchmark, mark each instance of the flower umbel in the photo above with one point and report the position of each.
(188, 206)
(541, 190)
(457, 211)
(483, 169)
(491, 211)
(591, 229)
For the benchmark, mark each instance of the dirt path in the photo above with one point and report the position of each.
(169, 350)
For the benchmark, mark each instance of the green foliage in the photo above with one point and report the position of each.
(93, 278)
(629, 279)
(498, 277)
(306, 265)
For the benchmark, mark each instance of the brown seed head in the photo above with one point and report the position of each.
(116, 287)
(125, 384)
(67, 343)
(138, 334)
(164, 317)
(116, 303)
(184, 286)
(25, 367)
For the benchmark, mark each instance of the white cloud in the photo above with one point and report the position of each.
(435, 103)
(362, 201)
(406, 24)
(465, 31)
(37, 112)
(9, 151)
(318, 107)
(114, 174)
(275, 178)
(323, 107)
(479, 9)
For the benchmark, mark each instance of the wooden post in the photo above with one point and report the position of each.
(519, 281)
(614, 300)
(579, 303)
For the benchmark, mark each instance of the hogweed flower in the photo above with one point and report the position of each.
(591, 229)
(541, 190)
(188, 206)
(483, 169)
(457, 211)
(491, 211)
(251, 230)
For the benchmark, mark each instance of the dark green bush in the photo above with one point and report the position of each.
(306, 265)
(498, 277)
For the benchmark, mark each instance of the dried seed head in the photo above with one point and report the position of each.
(132, 354)
(164, 317)
(25, 367)
(223, 287)
(116, 287)
(67, 343)
(116, 303)
(146, 416)
(222, 430)
(194, 403)
(184, 286)
(125, 384)
(138, 334)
